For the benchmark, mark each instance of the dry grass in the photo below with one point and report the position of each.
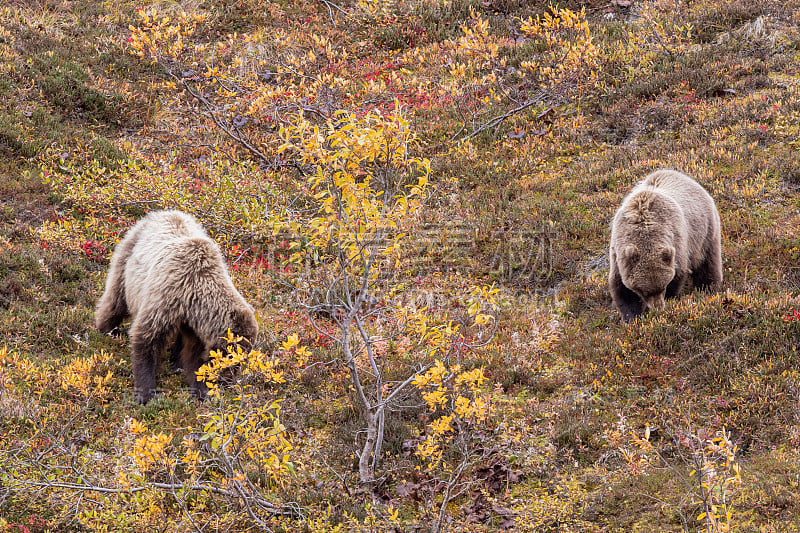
(530, 212)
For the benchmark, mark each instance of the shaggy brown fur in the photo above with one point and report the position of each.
(171, 278)
(667, 229)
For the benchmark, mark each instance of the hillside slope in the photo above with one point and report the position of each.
(536, 122)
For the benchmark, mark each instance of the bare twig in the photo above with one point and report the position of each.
(273, 509)
(497, 121)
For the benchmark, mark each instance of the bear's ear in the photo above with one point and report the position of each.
(630, 254)
(667, 254)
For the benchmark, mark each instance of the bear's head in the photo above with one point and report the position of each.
(647, 270)
(243, 324)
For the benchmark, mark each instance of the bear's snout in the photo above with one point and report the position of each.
(655, 302)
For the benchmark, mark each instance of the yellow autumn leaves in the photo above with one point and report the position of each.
(365, 182)
(570, 49)
(456, 401)
(244, 432)
(79, 376)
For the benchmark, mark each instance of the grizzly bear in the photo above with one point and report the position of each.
(667, 229)
(171, 279)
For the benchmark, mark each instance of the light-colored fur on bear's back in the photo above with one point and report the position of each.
(694, 200)
(152, 260)
(657, 199)
(176, 264)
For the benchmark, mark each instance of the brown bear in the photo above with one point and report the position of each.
(171, 279)
(667, 228)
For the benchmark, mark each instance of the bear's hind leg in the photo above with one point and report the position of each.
(110, 312)
(675, 286)
(191, 358)
(708, 275)
(113, 307)
(175, 353)
(148, 340)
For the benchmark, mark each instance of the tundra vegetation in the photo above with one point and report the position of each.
(415, 197)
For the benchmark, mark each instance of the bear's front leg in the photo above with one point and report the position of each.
(676, 285)
(175, 354)
(148, 340)
(630, 306)
(191, 358)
